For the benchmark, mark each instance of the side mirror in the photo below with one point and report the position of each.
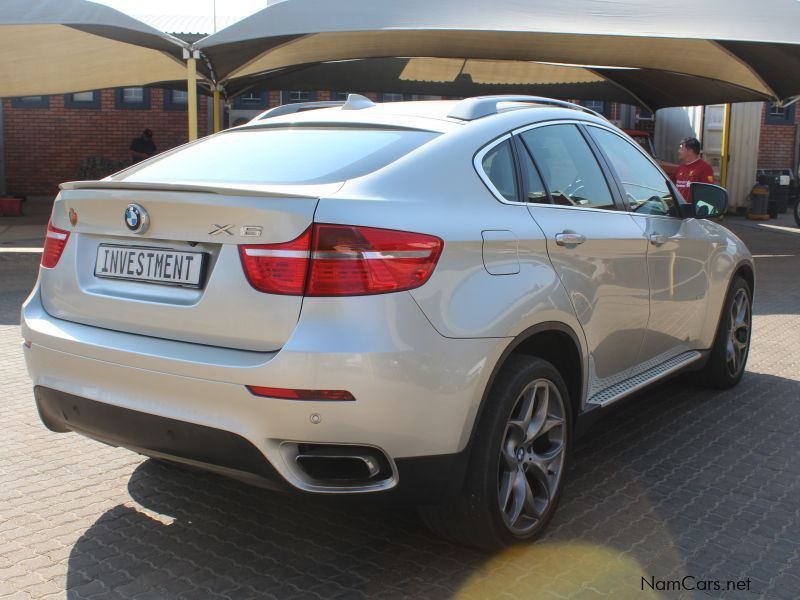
(708, 200)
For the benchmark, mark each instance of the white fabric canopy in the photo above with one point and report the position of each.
(63, 46)
(742, 43)
(476, 77)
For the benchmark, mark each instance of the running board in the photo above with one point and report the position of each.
(643, 379)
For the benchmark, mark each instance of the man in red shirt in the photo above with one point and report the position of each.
(692, 168)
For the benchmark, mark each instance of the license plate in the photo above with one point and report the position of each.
(151, 265)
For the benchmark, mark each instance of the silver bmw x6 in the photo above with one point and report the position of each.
(418, 300)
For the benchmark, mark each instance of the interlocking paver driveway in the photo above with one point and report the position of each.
(678, 481)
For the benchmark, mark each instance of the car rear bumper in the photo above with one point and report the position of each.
(416, 393)
(422, 480)
(159, 437)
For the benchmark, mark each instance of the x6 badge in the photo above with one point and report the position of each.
(220, 229)
(244, 231)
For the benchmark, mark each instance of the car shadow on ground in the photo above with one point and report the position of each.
(661, 487)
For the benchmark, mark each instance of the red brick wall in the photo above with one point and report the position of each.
(44, 147)
(776, 145)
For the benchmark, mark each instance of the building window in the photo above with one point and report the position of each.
(340, 96)
(293, 97)
(598, 106)
(31, 102)
(779, 115)
(252, 101)
(132, 98)
(176, 99)
(82, 100)
(133, 95)
(391, 97)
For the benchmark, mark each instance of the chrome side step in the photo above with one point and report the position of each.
(632, 384)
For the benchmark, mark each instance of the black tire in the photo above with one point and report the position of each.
(797, 212)
(718, 371)
(475, 516)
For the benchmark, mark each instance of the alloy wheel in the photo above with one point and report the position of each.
(532, 456)
(738, 333)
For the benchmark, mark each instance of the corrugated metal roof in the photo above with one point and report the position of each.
(188, 24)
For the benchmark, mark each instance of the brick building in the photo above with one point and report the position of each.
(780, 136)
(47, 139)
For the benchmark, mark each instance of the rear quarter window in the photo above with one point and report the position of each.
(283, 155)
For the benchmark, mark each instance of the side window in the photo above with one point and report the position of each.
(645, 186)
(568, 166)
(498, 164)
(534, 188)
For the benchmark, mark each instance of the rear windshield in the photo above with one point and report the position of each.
(297, 155)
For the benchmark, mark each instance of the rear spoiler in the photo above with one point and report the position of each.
(275, 191)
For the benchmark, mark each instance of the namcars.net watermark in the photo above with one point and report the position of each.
(692, 583)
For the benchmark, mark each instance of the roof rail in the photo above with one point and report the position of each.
(287, 109)
(470, 109)
(354, 102)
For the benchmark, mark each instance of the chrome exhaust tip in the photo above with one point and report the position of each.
(354, 468)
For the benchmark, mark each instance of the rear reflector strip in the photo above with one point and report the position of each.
(373, 255)
(290, 394)
(276, 253)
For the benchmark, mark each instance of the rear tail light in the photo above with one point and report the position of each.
(352, 261)
(54, 242)
(278, 268)
(342, 260)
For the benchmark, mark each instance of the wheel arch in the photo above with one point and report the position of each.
(743, 268)
(553, 341)
(746, 271)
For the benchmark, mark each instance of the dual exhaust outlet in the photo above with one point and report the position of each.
(341, 466)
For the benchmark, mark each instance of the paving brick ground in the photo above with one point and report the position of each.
(679, 481)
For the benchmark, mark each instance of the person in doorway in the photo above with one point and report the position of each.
(143, 146)
(692, 168)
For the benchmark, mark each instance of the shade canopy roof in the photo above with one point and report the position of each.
(736, 42)
(62, 46)
(475, 77)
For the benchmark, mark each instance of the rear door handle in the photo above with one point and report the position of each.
(569, 238)
(657, 239)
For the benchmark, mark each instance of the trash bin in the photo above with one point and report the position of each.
(10, 206)
(780, 183)
(759, 201)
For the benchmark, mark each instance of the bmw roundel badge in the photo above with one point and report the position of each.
(136, 218)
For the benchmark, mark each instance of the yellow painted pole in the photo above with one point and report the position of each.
(672, 257)
(216, 109)
(725, 153)
(191, 83)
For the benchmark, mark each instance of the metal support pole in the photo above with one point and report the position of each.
(216, 110)
(725, 153)
(2, 153)
(191, 87)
